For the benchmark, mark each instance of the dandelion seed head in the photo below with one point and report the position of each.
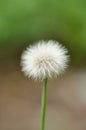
(44, 59)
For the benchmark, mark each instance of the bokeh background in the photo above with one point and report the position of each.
(24, 22)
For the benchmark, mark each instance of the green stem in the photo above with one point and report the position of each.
(43, 112)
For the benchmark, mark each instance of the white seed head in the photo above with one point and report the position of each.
(44, 59)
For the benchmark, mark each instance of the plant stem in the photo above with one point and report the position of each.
(43, 111)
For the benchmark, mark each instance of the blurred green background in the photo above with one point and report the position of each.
(24, 22)
(27, 21)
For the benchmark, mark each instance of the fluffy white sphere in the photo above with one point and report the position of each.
(44, 59)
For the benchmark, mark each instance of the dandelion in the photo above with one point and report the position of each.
(42, 61)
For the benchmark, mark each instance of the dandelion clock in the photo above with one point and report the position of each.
(42, 61)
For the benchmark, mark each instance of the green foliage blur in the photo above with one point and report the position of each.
(26, 21)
